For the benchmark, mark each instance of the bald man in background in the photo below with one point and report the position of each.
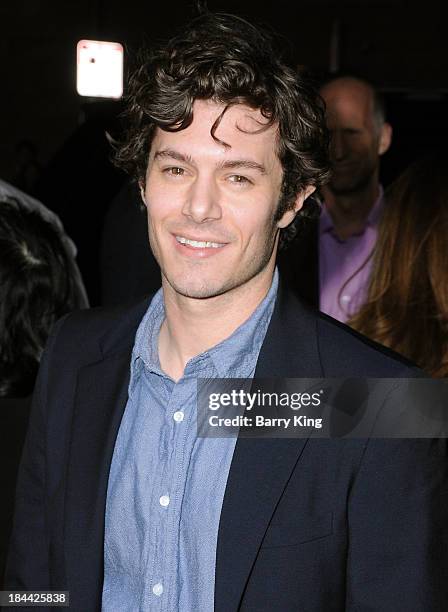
(329, 266)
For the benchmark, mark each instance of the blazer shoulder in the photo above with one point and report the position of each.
(82, 333)
(343, 350)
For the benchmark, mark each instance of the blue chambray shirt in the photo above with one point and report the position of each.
(166, 485)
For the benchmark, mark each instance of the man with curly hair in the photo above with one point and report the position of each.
(119, 501)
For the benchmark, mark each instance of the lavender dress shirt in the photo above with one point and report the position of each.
(343, 279)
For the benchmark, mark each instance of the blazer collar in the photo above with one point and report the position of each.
(290, 348)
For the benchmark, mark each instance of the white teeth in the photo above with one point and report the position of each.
(197, 244)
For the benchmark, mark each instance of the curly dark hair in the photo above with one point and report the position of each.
(225, 59)
(37, 287)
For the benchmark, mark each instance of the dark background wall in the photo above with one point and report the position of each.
(399, 44)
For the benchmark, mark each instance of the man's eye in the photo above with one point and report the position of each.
(239, 180)
(174, 171)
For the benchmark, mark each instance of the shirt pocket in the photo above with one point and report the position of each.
(303, 529)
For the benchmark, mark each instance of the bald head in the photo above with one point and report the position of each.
(341, 88)
(359, 133)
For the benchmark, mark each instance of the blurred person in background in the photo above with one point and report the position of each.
(27, 166)
(324, 260)
(38, 285)
(407, 301)
(128, 268)
(94, 182)
(27, 202)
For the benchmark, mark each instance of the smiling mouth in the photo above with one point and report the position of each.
(199, 244)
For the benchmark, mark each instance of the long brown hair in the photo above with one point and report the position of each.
(407, 301)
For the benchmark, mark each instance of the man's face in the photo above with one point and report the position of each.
(210, 207)
(355, 136)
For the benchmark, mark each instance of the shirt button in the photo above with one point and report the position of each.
(178, 416)
(157, 589)
(164, 500)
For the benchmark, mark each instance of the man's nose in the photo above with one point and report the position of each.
(337, 146)
(202, 203)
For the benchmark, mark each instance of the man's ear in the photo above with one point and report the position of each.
(289, 215)
(385, 138)
(142, 192)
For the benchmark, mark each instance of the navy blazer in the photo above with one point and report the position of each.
(306, 525)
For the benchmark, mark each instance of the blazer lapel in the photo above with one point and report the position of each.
(100, 400)
(261, 467)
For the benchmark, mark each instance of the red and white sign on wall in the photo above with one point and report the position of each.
(99, 69)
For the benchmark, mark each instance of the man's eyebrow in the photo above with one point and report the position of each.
(173, 155)
(243, 163)
(229, 164)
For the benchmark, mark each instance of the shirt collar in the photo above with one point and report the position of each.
(234, 357)
(326, 222)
